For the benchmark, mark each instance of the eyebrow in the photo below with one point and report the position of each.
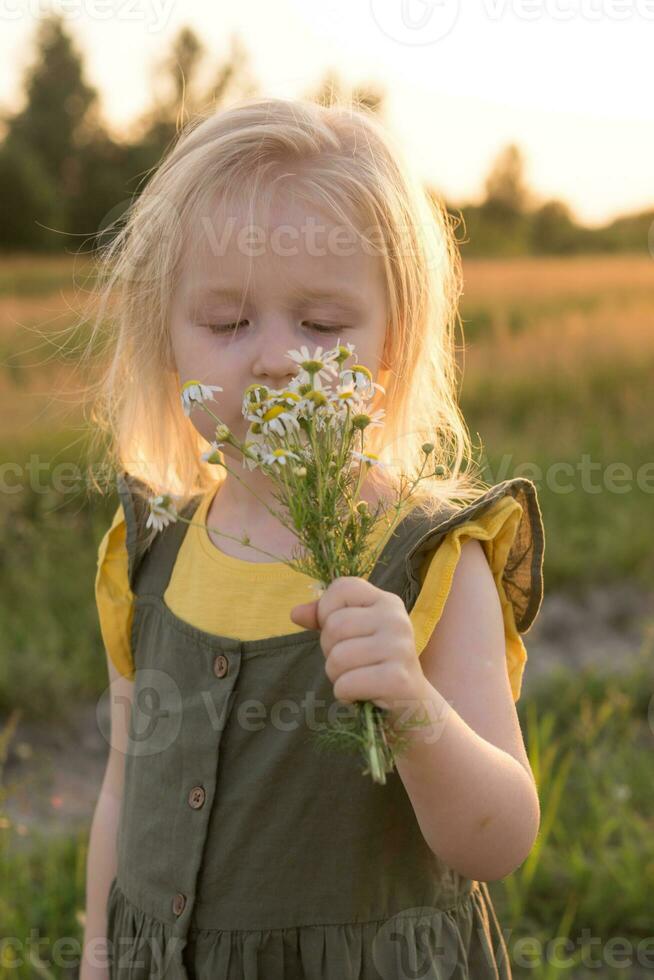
(340, 295)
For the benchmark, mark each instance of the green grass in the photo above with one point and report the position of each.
(597, 532)
(27, 275)
(49, 536)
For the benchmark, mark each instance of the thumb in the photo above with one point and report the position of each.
(306, 614)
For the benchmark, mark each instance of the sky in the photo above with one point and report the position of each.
(569, 81)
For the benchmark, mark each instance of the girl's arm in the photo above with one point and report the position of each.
(102, 855)
(467, 773)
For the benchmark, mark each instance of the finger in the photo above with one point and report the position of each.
(348, 622)
(349, 655)
(306, 614)
(347, 590)
(369, 683)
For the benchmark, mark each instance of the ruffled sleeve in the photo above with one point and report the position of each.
(113, 596)
(500, 528)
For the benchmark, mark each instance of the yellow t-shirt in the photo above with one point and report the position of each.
(255, 598)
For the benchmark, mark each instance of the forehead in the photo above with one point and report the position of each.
(285, 243)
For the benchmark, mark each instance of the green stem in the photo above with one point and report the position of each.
(395, 521)
(376, 769)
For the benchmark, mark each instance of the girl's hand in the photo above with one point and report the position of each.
(368, 640)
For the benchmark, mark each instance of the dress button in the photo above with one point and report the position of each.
(196, 797)
(220, 665)
(179, 903)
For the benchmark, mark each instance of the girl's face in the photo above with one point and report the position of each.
(311, 282)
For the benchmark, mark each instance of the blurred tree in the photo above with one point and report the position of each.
(500, 225)
(505, 185)
(182, 65)
(332, 90)
(28, 199)
(179, 96)
(54, 135)
(553, 229)
(60, 106)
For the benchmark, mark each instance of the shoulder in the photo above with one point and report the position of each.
(467, 615)
(507, 523)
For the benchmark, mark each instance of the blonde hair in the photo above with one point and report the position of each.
(339, 155)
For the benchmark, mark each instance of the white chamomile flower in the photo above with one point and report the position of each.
(360, 378)
(344, 396)
(211, 455)
(316, 364)
(370, 458)
(256, 448)
(195, 393)
(362, 418)
(162, 512)
(254, 394)
(275, 419)
(344, 350)
(312, 401)
(279, 456)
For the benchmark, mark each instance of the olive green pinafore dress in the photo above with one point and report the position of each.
(244, 853)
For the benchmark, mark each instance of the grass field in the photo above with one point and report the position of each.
(558, 367)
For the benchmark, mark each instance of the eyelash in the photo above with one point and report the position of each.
(320, 328)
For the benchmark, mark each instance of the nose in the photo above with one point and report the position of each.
(271, 364)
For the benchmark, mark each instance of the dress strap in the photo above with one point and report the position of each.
(523, 572)
(150, 577)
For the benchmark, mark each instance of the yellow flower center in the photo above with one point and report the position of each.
(311, 367)
(273, 412)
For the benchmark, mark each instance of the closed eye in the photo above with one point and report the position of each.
(318, 327)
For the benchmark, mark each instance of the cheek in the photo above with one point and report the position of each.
(194, 354)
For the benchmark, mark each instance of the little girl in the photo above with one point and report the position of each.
(223, 845)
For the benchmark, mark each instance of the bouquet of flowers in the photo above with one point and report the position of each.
(305, 439)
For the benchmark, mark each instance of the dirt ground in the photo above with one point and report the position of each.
(52, 778)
